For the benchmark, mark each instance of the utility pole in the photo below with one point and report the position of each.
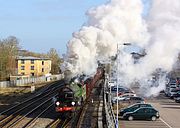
(118, 73)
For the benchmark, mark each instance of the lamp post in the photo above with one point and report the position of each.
(118, 52)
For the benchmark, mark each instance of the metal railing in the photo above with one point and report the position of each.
(110, 117)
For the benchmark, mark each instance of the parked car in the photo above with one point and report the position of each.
(166, 91)
(135, 99)
(133, 108)
(172, 80)
(142, 113)
(120, 89)
(172, 84)
(177, 94)
(128, 95)
(172, 92)
(125, 91)
(177, 100)
(122, 97)
(130, 100)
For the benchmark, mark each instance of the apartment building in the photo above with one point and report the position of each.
(33, 66)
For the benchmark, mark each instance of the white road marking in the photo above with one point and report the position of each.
(165, 123)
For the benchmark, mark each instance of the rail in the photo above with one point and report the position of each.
(91, 114)
(100, 111)
(18, 113)
(54, 123)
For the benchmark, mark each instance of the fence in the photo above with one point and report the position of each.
(30, 80)
(110, 117)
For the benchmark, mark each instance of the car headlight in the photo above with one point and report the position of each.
(157, 114)
(57, 103)
(73, 103)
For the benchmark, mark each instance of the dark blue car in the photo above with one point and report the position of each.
(142, 113)
(133, 108)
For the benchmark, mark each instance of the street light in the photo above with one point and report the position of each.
(118, 52)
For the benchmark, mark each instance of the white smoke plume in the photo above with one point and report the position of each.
(117, 21)
(120, 21)
(164, 28)
(162, 48)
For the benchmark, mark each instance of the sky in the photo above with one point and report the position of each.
(43, 24)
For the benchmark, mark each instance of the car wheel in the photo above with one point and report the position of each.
(130, 118)
(153, 118)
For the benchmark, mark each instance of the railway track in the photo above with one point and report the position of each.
(89, 114)
(59, 123)
(19, 120)
(27, 112)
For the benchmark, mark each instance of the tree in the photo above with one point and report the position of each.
(56, 61)
(8, 52)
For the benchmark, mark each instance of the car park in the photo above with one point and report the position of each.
(142, 113)
(133, 108)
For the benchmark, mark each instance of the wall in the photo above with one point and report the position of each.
(30, 80)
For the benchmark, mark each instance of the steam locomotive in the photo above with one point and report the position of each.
(73, 94)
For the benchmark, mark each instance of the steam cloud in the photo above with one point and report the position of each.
(120, 21)
(164, 45)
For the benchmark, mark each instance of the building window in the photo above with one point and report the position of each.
(22, 67)
(42, 69)
(32, 67)
(22, 62)
(32, 61)
(32, 74)
(22, 73)
(42, 62)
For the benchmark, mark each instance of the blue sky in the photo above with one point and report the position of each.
(43, 24)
